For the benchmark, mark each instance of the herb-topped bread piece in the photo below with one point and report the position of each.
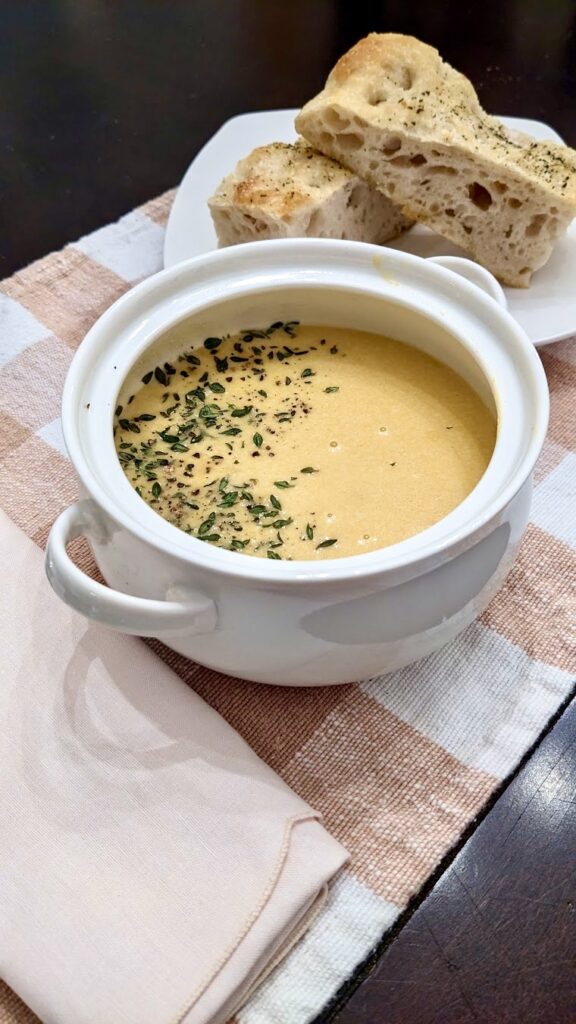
(396, 115)
(282, 191)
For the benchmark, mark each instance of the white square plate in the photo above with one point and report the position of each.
(546, 310)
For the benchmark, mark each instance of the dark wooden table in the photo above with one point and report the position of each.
(103, 103)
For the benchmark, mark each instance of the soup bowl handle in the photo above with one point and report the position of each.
(474, 273)
(191, 613)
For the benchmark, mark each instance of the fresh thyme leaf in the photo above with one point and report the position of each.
(327, 543)
(242, 412)
(208, 412)
(207, 525)
(217, 388)
(258, 440)
(212, 343)
(308, 373)
(210, 537)
(309, 469)
(156, 490)
(330, 391)
(147, 377)
(282, 484)
(193, 360)
(263, 393)
(273, 554)
(160, 375)
(237, 545)
(309, 531)
(229, 499)
(146, 417)
(275, 502)
(232, 431)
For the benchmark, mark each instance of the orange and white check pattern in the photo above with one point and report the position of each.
(397, 765)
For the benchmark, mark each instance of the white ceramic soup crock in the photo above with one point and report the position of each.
(303, 622)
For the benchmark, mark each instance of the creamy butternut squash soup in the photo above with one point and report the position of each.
(299, 442)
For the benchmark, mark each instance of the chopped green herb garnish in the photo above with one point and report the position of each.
(207, 525)
(189, 490)
(327, 543)
(237, 545)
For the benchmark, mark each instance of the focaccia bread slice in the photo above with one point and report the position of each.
(290, 190)
(400, 118)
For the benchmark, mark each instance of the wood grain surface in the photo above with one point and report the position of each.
(495, 939)
(104, 103)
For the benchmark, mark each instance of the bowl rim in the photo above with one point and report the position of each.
(415, 551)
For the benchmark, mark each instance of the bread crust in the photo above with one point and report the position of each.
(291, 190)
(398, 116)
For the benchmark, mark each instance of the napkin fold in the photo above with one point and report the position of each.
(152, 868)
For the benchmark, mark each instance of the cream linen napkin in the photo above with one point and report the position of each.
(152, 867)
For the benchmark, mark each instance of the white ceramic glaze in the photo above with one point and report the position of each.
(546, 310)
(300, 623)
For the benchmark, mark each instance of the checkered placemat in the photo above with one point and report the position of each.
(398, 765)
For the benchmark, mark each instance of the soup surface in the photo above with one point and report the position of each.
(303, 442)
